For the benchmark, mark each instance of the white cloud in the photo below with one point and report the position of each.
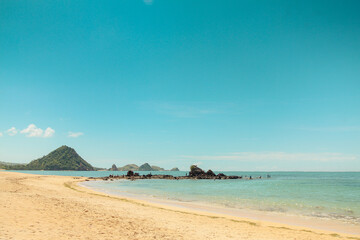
(75, 134)
(49, 132)
(282, 156)
(12, 131)
(33, 131)
(1, 134)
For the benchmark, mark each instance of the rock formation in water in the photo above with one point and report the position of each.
(195, 173)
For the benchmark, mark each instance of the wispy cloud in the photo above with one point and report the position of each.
(148, 2)
(278, 156)
(186, 109)
(1, 134)
(33, 131)
(12, 131)
(75, 134)
(331, 129)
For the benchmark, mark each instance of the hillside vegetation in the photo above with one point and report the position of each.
(5, 165)
(63, 158)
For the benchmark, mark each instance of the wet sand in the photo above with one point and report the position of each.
(55, 207)
(318, 223)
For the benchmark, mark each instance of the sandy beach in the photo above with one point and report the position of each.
(55, 207)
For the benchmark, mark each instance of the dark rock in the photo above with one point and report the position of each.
(195, 171)
(210, 173)
(130, 173)
(113, 168)
(168, 176)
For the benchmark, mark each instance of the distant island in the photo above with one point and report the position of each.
(144, 167)
(63, 158)
(6, 165)
(66, 158)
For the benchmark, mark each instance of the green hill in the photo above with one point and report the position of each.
(156, 168)
(63, 158)
(132, 167)
(145, 167)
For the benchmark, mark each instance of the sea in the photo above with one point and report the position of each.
(320, 195)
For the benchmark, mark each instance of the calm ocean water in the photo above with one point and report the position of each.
(334, 195)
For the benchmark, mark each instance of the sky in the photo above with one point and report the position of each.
(227, 85)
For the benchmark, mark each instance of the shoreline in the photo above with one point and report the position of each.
(293, 220)
(44, 207)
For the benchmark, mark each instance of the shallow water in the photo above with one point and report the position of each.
(329, 195)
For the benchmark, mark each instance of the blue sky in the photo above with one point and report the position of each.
(229, 85)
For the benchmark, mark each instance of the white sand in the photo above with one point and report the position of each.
(55, 207)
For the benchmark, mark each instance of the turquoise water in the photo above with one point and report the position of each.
(334, 195)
